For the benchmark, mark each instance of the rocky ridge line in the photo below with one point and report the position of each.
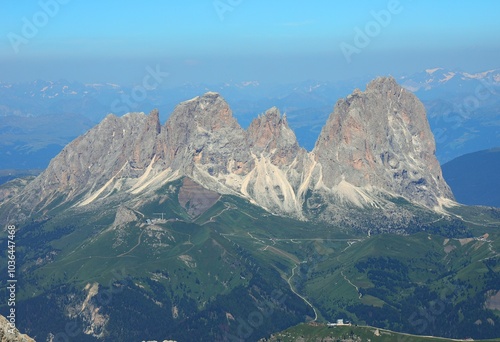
(375, 145)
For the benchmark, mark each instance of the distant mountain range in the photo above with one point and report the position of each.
(445, 78)
(463, 110)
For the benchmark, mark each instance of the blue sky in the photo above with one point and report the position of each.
(223, 40)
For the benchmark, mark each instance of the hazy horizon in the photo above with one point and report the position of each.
(222, 40)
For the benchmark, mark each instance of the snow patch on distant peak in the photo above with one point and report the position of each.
(447, 77)
(250, 83)
(411, 87)
(431, 71)
(479, 75)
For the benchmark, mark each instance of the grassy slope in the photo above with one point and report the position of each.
(399, 276)
(236, 250)
(306, 333)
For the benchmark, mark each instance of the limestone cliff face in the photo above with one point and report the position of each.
(380, 139)
(204, 140)
(270, 134)
(376, 144)
(279, 161)
(117, 148)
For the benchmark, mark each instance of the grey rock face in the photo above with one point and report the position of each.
(118, 147)
(271, 134)
(380, 139)
(376, 144)
(123, 216)
(275, 181)
(202, 131)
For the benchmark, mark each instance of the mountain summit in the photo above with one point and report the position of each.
(380, 140)
(375, 146)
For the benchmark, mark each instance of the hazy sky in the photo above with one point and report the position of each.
(242, 40)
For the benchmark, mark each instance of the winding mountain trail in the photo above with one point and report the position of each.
(299, 295)
(267, 247)
(349, 244)
(130, 250)
(490, 247)
(211, 219)
(434, 221)
(292, 258)
(347, 279)
(489, 225)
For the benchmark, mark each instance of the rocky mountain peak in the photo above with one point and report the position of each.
(117, 147)
(272, 114)
(380, 139)
(203, 136)
(377, 144)
(383, 85)
(209, 112)
(269, 130)
(153, 121)
(270, 134)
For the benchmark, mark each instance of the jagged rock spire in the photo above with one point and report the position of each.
(381, 138)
